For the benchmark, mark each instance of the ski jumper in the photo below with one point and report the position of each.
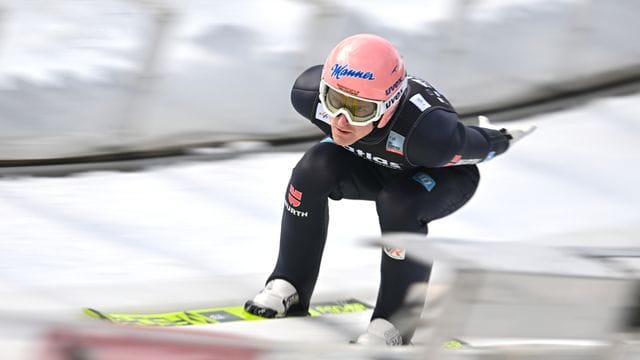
(418, 168)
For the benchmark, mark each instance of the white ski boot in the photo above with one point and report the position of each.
(380, 332)
(274, 301)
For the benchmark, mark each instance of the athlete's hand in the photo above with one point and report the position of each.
(514, 134)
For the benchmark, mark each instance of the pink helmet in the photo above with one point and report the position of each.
(366, 66)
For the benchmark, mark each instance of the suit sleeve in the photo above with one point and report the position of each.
(440, 139)
(304, 94)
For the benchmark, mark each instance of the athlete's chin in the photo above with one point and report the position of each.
(342, 139)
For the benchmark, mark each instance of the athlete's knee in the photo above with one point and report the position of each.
(324, 163)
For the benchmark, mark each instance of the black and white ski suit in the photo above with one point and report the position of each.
(418, 168)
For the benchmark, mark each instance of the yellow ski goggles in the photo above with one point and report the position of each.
(357, 110)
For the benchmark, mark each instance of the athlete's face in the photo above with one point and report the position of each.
(344, 133)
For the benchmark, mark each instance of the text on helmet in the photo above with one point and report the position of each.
(338, 71)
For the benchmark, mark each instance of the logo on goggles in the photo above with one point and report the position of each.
(347, 90)
(343, 70)
(394, 86)
(395, 98)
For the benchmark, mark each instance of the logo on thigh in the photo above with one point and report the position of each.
(294, 196)
(294, 200)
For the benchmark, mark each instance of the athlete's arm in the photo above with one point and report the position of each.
(304, 94)
(440, 139)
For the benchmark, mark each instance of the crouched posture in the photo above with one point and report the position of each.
(392, 139)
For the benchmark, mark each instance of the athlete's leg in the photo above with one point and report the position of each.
(407, 204)
(305, 217)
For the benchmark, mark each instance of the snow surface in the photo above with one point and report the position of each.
(206, 233)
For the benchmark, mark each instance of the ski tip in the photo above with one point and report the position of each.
(94, 313)
(455, 344)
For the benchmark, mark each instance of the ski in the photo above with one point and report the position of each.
(218, 314)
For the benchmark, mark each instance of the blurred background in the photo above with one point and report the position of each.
(145, 146)
(81, 78)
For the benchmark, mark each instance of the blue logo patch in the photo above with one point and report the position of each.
(338, 71)
(490, 155)
(425, 180)
(395, 143)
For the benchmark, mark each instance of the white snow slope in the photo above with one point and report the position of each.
(206, 233)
